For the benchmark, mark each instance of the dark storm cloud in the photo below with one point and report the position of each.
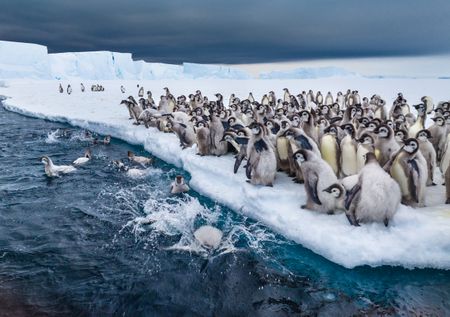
(232, 31)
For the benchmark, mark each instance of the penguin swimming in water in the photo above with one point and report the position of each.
(52, 170)
(208, 236)
(376, 196)
(178, 185)
(142, 160)
(83, 160)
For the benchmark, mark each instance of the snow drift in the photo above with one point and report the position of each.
(415, 238)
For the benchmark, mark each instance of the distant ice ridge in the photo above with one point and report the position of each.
(308, 73)
(24, 60)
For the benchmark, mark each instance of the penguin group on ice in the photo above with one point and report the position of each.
(350, 153)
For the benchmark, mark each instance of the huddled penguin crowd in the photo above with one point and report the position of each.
(350, 153)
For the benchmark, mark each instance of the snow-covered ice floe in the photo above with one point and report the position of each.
(415, 238)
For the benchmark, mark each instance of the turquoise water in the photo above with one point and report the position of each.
(97, 242)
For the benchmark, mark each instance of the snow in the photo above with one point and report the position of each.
(415, 238)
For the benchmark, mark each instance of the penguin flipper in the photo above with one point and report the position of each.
(304, 142)
(237, 162)
(241, 140)
(311, 187)
(414, 179)
(351, 194)
(260, 146)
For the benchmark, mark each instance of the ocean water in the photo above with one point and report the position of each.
(99, 243)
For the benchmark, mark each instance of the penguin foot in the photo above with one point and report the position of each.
(447, 201)
(248, 181)
(270, 185)
(330, 212)
(433, 184)
(303, 207)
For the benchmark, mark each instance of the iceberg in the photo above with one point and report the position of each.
(308, 73)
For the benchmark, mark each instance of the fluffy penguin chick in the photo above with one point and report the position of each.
(178, 185)
(208, 236)
(318, 176)
(83, 160)
(52, 170)
(376, 196)
(139, 159)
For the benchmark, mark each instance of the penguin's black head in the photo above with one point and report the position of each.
(400, 135)
(366, 139)
(383, 131)
(390, 124)
(372, 125)
(300, 156)
(179, 179)
(304, 115)
(440, 121)
(201, 124)
(423, 135)
(332, 129)
(349, 129)
(336, 190)
(411, 146)
(256, 128)
(364, 121)
(421, 108)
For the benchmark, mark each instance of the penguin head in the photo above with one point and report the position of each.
(423, 135)
(400, 135)
(364, 121)
(366, 139)
(300, 156)
(411, 146)
(439, 120)
(179, 179)
(130, 154)
(390, 124)
(336, 190)
(304, 115)
(372, 125)
(87, 154)
(256, 128)
(332, 129)
(336, 107)
(45, 160)
(201, 124)
(383, 131)
(349, 129)
(228, 136)
(421, 108)
(107, 139)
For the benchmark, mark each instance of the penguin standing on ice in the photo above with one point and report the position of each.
(122, 89)
(409, 168)
(82, 87)
(61, 89)
(69, 89)
(141, 92)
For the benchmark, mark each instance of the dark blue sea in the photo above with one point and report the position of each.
(100, 243)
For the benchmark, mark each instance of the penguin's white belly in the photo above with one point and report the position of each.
(399, 175)
(136, 173)
(142, 160)
(282, 148)
(414, 129)
(81, 161)
(348, 159)
(360, 160)
(329, 153)
(208, 236)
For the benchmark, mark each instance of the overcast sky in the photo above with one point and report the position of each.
(232, 31)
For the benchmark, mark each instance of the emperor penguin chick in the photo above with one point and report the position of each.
(203, 138)
(409, 168)
(178, 185)
(318, 176)
(428, 152)
(376, 196)
(262, 162)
